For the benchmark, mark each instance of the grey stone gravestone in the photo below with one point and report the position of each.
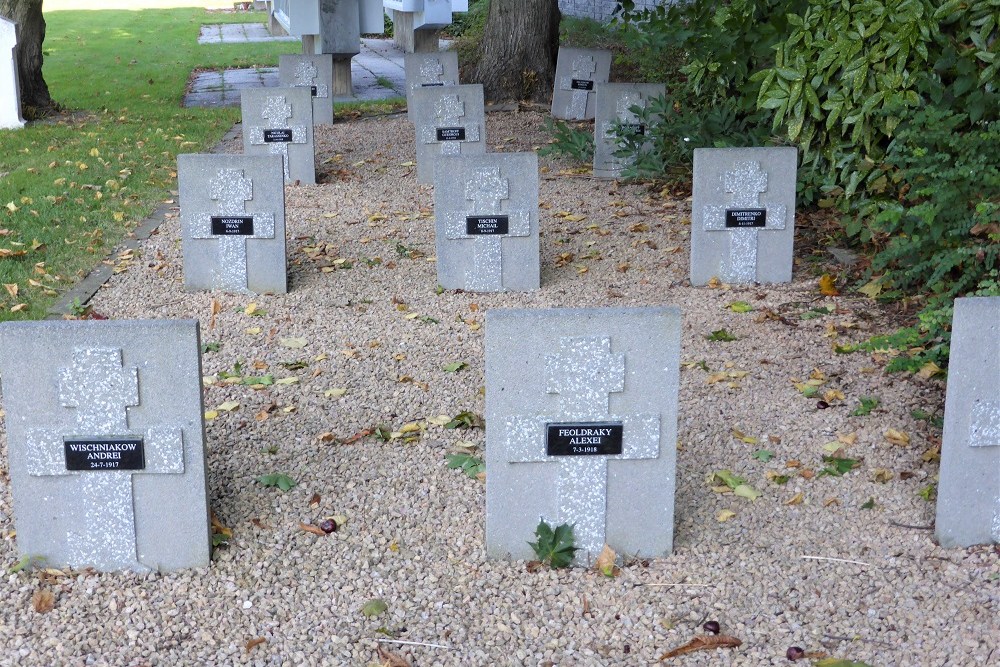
(10, 92)
(578, 71)
(428, 70)
(613, 112)
(486, 222)
(233, 222)
(315, 74)
(743, 215)
(106, 443)
(581, 414)
(450, 121)
(968, 502)
(278, 121)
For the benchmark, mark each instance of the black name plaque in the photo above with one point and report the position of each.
(451, 134)
(746, 217)
(431, 84)
(232, 225)
(280, 136)
(583, 439)
(111, 453)
(638, 129)
(314, 91)
(581, 84)
(477, 225)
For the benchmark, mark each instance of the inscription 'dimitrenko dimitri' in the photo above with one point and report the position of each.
(745, 217)
(583, 439)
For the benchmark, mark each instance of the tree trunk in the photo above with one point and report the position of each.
(27, 14)
(518, 51)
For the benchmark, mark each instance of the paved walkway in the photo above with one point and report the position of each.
(377, 72)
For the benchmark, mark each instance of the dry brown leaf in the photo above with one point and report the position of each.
(897, 437)
(390, 659)
(260, 524)
(827, 286)
(796, 499)
(309, 528)
(314, 501)
(702, 643)
(848, 439)
(833, 500)
(807, 474)
(882, 475)
(43, 600)
(605, 563)
(253, 643)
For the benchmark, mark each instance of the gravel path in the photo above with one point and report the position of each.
(414, 531)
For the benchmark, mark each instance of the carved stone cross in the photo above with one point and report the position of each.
(583, 374)
(487, 190)
(584, 67)
(276, 135)
(306, 76)
(745, 184)
(99, 390)
(449, 130)
(232, 190)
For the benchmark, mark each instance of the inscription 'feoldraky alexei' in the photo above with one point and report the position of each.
(746, 217)
(584, 439)
(104, 454)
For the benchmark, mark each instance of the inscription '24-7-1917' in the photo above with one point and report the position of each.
(584, 439)
(104, 454)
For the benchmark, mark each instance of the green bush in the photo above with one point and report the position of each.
(936, 227)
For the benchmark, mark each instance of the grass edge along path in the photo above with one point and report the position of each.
(73, 186)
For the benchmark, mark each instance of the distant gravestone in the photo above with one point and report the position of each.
(10, 93)
(233, 222)
(743, 215)
(429, 70)
(106, 443)
(278, 121)
(449, 121)
(315, 74)
(486, 222)
(578, 71)
(968, 497)
(581, 414)
(614, 105)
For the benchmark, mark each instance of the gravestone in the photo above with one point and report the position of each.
(968, 502)
(428, 70)
(106, 443)
(449, 121)
(315, 74)
(10, 93)
(232, 222)
(486, 222)
(581, 414)
(578, 71)
(278, 121)
(743, 215)
(613, 114)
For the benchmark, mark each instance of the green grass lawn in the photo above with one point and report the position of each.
(71, 187)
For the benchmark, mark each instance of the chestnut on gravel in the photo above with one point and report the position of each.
(794, 653)
(712, 627)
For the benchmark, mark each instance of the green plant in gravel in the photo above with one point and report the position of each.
(725, 481)
(79, 182)
(465, 419)
(837, 466)
(865, 406)
(554, 547)
(470, 464)
(278, 479)
(575, 141)
(721, 336)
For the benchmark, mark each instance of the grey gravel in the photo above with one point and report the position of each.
(415, 529)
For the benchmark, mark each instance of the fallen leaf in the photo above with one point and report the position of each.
(229, 406)
(605, 563)
(254, 643)
(872, 289)
(882, 475)
(725, 515)
(702, 643)
(211, 414)
(796, 499)
(390, 659)
(11, 289)
(375, 607)
(927, 371)
(286, 381)
(849, 439)
(739, 435)
(251, 308)
(897, 437)
(827, 286)
(43, 600)
(314, 500)
(293, 343)
(336, 392)
(309, 528)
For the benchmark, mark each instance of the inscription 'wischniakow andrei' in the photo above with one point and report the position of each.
(104, 454)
